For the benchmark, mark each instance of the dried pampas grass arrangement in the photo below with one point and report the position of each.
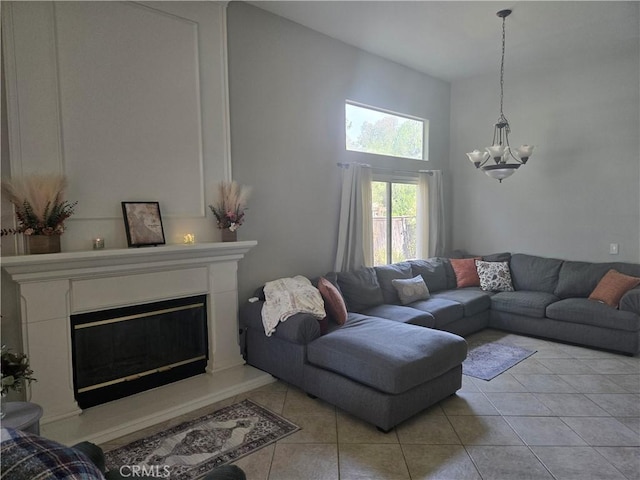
(231, 205)
(39, 202)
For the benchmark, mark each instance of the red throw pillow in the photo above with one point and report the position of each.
(612, 286)
(466, 272)
(333, 301)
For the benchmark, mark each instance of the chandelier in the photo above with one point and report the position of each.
(500, 151)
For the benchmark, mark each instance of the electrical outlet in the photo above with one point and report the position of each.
(613, 249)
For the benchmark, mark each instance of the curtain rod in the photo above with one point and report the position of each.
(393, 170)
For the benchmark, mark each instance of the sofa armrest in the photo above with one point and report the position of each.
(300, 328)
(630, 301)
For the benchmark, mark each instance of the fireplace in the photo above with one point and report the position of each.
(122, 351)
(50, 289)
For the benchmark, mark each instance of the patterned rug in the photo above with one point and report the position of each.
(489, 360)
(192, 449)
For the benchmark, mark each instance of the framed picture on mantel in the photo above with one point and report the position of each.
(143, 224)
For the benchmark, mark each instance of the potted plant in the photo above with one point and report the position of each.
(16, 372)
(230, 208)
(40, 209)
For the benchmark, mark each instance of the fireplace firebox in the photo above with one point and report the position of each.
(123, 351)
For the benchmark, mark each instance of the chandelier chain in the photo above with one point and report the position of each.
(502, 67)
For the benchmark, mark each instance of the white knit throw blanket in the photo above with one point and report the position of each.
(286, 297)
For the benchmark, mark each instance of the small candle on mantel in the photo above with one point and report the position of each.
(189, 238)
(98, 243)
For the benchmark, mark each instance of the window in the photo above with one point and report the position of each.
(375, 131)
(394, 210)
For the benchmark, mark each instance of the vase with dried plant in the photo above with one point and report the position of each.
(41, 209)
(230, 208)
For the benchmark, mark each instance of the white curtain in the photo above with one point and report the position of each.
(431, 221)
(355, 232)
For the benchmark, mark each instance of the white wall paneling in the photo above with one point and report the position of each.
(129, 100)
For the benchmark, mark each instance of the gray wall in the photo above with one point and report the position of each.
(287, 86)
(581, 189)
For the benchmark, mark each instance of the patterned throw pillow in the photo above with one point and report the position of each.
(494, 276)
(411, 289)
(612, 287)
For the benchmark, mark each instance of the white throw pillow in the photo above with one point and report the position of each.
(411, 289)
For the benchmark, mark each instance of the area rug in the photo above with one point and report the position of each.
(489, 360)
(192, 449)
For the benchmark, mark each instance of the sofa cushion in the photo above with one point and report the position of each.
(360, 289)
(537, 274)
(587, 312)
(411, 289)
(386, 274)
(494, 276)
(497, 257)
(433, 271)
(389, 356)
(333, 301)
(444, 311)
(612, 287)
(473, 299)
(400, 313)
(578, 279)
(466, 272)
(531, 304)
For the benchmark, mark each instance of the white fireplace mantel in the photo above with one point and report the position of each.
(52, 287)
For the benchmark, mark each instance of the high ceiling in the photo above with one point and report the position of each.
(453, 40)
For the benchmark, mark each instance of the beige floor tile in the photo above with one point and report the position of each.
(439, 462)
(625, 459)
(484, 430)
(257, 465)
(314, 428)
(508, 463)
(529, 366)
(368, 462)
(518, 404)
(271, 400)
(544, 383)
(618, 404)
(468, 385)
(615, 366)
(570, 405)
(298, 402)
(427, 429)
(593, 384)
(504, 382)
(468, 403)
(577, 463)
(354, 430)
(544, 431)
(566, 365)
(295, 461)
(603, 431)
(630, 382)
(633, 423)
(550, 351)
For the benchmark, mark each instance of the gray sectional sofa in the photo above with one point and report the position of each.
(390, 361)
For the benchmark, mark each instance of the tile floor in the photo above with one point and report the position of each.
(566, 412)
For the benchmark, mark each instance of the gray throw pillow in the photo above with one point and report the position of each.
(411, 289)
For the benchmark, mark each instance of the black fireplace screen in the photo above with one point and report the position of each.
(127, 350)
